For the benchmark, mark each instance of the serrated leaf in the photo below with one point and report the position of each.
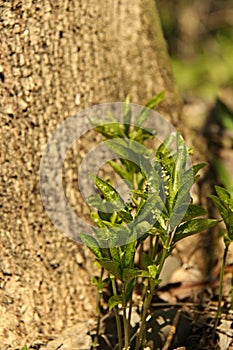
(114, 301)
(192, 227)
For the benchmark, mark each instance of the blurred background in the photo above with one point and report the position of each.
(199, 34)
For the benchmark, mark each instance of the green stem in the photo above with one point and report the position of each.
(125, 321)
(162, 261)
(156, 245)
(100, 293)
(219, 307)
(116, 311)
(147, 302)
(146, 305)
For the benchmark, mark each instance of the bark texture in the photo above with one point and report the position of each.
(58, 57)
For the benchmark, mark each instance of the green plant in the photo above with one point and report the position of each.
(159, 209)
(224, 203)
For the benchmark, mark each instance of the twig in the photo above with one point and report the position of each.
(172, 331)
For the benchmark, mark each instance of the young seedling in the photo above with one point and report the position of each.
(160, 208)
(224, 203)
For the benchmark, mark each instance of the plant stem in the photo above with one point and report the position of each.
(116, 311)
(146, 305)
(100, 292)
(219, 307)
(125, 321)
(156, 245)
(147, 301)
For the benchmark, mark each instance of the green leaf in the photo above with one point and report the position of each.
(141, 228)
(115, 254)
(110, 130)
(142, 117)
(115, 202)
(153, 202)
(92, 244)
(198, 167)
(129, 253)
(127, 115)
(129, 289)
(194, 211)
(125, 215)
(121, 171)
(100, 284)
(192, 227)
(128, 274)
(113, 267)
(223, 194)
(152, 270)
(114, 301)
(179, 204)
(145, 260)
(164, 151)
(180, 162)
(141, 194)
(120, 235)
(155, 100)
(97, 220)
(109, 192)
(224, 205)
(95, 201)
(222, 208)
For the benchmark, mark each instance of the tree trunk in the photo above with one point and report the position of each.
(58, 57)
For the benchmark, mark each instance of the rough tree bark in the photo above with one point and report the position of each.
(58, 57)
